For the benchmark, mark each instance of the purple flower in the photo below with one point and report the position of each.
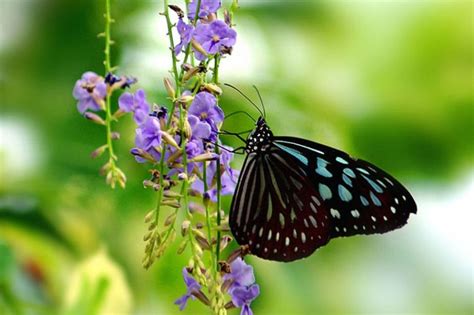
(191, 286)
(135, 103)
(148, 138)
(241, 274)
(204, 106)
(242, 296)
(185, 33)
(200, 130)
(243, 289)
(89, 91)
(207, 7)
(214, 36)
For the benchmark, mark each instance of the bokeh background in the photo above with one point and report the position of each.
(387, 81)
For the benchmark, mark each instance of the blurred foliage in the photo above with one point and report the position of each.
(390, 82)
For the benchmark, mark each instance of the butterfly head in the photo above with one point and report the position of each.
(260, 138)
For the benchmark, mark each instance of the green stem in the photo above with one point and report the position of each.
(219, 188)
(107, 66)
(208, 216)
(173, 55)
(188, 46)
(215, 76)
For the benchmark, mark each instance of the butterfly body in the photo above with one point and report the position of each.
(294, 195)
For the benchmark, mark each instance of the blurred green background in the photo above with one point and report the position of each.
(387, 81)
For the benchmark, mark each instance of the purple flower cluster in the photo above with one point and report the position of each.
(213, 36)
(204, 117)
(243, 288)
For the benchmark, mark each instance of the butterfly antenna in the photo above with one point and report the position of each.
(240, 112)
(246, 97)
(261, 101)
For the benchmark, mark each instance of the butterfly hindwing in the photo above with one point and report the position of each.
(276, 210)
(360, 197)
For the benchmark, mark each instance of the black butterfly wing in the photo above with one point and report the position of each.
(360, 197)
(275, 210)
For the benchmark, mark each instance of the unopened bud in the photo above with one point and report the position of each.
(186, 66)
(115, 135)
(94, 118)
(169, 88)
(143, 154)
(177, 10)
(209, 156)
(150, 215)
(169, 139)
(227, 18)
(213, 88)
(184, 99)
(147, 236)
(171, 203)
(187, 130)
(191, 72)
(185, 227)
(170, 219)
(171, 194)
(203, 243)
(182, 176)
(119, 113)
(196, 208)
(198, 47)
(225, 240)
(99, 151)
(182, 246)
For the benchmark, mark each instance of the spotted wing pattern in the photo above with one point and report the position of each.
(360, 198)
(276, 209)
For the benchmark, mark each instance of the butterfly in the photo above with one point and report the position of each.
(294, 195)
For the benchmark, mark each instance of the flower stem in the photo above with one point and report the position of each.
(188, 47)
(108, 110)
(219, 188)
(208, 216)
(173, 55)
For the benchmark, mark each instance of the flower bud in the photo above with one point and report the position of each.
(169, 88)
(213, 88)
(149, 216)
(171, 203)
(147, 236)
(184, 99)
(143, 154)
(169, 139)
(225, 240)
(171, 194)
(185, 227)
(170, 219)
(182, 246)
(186, 66)
(99, 151)
(209, 156)
(187, 130)
(94, 118)
(198, 47)
(182, 176)
(118, 113)
(196, 208)
(115, 135)
(177, 10)
(191, 72)
(203, 243)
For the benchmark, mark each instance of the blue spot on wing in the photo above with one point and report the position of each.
(321, 169)
(294, 153)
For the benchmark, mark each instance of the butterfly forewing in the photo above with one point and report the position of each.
(360, 197)
(276, 210)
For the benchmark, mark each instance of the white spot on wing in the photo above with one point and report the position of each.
(335, 213)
